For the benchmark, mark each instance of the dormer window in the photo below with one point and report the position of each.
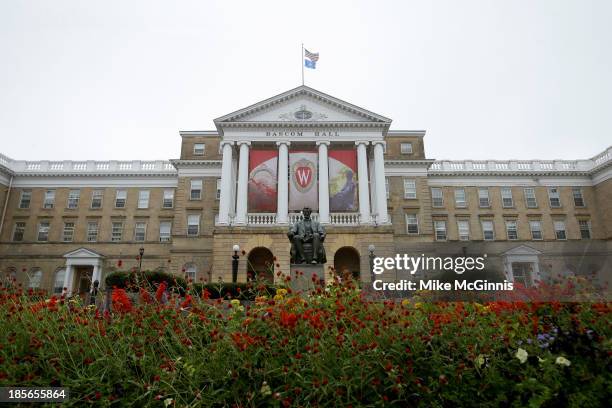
(406, 148)
(198, 149)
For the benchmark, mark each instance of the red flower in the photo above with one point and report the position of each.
(119, 263)
(288, 319)
(160, 291)
(145, 296)
(121, 301)
(187, 302)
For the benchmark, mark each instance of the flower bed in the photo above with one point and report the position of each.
(332, 348)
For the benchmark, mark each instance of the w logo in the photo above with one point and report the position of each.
(303, 175)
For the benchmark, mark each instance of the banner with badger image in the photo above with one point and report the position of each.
(343, 180)
(303, 180)
(262, 180)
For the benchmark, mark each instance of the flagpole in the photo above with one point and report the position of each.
(302, 62)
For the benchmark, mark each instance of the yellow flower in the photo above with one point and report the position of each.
(281, 291)
(521, 355)
(278, 297)
(265, 389)
(480, 360)
(418, 305)
(235, 302)
(405, 302)
(563, 361)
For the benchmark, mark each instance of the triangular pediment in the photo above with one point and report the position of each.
(522, 250)
(83, 253)
(303, 105)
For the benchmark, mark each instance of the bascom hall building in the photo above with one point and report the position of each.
(67, 223)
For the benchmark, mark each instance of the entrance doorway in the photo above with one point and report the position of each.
(346, 263)
(83, 276)
(260, 265)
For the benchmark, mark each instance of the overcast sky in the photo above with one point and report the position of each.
(486, 79)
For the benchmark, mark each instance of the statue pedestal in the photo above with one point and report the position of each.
(301, 276)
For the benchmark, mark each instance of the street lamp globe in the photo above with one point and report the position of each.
(236, 248)
(371, 248)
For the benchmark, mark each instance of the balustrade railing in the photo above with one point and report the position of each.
(266, 219)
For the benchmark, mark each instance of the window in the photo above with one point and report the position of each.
(198, 149)
(58, 282)
(193, 225)
(460, 201)
(168, 201)
(463, 227)
(521, 272)
(406, 148)
(553, 197)
(440, 229)
(536, 230)
(578, 199)
(506, 196)
(117, 231)
(488, 231)
(511, 230)
(218, 196)
(530, 198)
(585, 229)
(143, 198)
(43, 231)
(387, 187)
(196, 190)
(49, 201)
(120, 198)
(68, 234)
(483, 197)
(410, 188)
(140, 231)
(190, 272)
(35, 277)
(560, 230)
(92, 231)
(73, 198)
(437, 200)
(24, 200)
(96, 198)
(19, 231)
(412, 224)
(165, 231)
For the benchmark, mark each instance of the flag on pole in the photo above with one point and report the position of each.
(310, 59)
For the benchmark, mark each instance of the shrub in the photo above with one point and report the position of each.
(229, 290)
(128, 281)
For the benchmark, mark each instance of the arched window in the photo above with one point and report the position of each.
(191, 271)
(58, 283)
(35, 278)
(9, 277)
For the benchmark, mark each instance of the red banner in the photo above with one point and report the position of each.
(303, 180)
(263, 180)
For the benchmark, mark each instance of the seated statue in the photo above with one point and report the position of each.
(307, 238)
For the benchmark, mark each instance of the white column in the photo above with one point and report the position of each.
(364, 187)
(226, 183)
(282, 207)
(68, 278)
(323, 183)
(243, 183)
(379, 175)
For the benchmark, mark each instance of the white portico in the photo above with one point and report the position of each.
(302, 119)
(83, 267)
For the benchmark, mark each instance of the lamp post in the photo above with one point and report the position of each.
(371, 249)
(235, 257)
(141, 253)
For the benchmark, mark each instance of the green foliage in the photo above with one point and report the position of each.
(228, 290)
(131, 281)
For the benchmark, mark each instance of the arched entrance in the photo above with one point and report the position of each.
(260, 264)
(346, 263)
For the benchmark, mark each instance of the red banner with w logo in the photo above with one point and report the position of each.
(303, 181)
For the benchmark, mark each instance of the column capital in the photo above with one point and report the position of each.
(283, 142)
(243, 142)
(224, 142)
(323, 142)
(380, 142)
(363, 142)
